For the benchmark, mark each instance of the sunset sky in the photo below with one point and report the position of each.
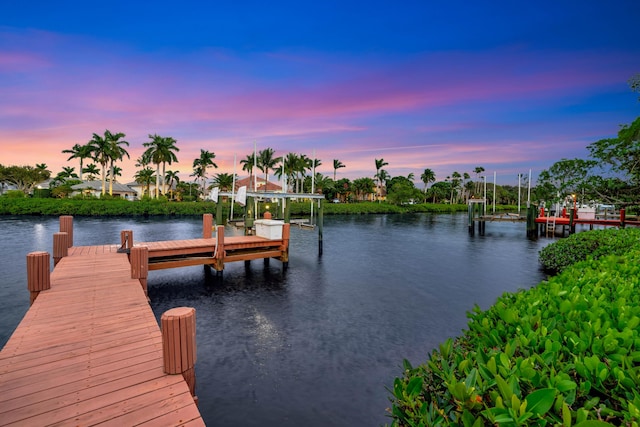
(509, 86)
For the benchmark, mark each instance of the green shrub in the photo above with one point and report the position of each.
(15, 194)
(577, 247)
(563, 353)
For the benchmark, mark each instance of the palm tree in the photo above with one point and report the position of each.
(383, 177)
(428, 176)
(224, 181)
(337, 164)
(100, 153)
(301, 167)
(171, 177)
(380, 163)
(455, 183)
(363, 186)
(247, 165)
(201, 164)
(145, 177)
(161, 150)
(465, 178)
(92, 171)
(322, 182)
(106, 150)
(115, 172)
(266, 161)
(62, 176)
(117, 153)
(80, 152)
(68, 172)
(288, 168)
(478, 170)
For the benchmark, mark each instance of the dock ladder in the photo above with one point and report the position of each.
(550, 228)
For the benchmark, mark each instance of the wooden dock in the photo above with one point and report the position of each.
(89, 351)
(209, 251)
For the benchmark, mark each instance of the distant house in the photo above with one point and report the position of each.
(262, 185)
(141, 189)
(94, 188)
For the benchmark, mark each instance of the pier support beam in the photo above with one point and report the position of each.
(66, 226)
(139, 258)
(179, 344)
(38, 273)
(207, 225)
(126, 239)
(60, 247)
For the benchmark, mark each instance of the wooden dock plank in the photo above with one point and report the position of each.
(89, 347)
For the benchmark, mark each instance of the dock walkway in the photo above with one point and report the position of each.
(89, 351)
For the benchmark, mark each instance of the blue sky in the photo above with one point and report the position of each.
(508, 86)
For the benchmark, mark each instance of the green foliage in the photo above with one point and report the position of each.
(101, 207)
(15, 194)
(595, 244)
(564, 353)
(112, 206)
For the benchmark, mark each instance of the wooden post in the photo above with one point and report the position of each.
(207, 225)
(249, 216)
(219, 217)
(286, 233)
(179, 344)
(38, 274)
(218, 264)
(572, 225)
(139, 258)
(622, 217)
(66, 226)
(532, 230)
(126, 239)
(60, 247)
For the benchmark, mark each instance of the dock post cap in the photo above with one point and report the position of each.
(178, 312)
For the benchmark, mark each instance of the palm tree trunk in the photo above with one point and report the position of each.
(157, 180)
(111, 179)
(104, 178)
(164, 185)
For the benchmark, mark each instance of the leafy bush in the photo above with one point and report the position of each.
(577, 247)
(15, 194)
(564, 353)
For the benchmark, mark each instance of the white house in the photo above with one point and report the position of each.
(94, 188)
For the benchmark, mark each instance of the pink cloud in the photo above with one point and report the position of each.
(447, 110)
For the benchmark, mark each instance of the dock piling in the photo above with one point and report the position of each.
(126, 239)
(38, 273)
(207, 225)
(66, 226)
(179, 344)
(60, 247)
(139, 258)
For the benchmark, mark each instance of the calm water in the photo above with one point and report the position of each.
(315, 345)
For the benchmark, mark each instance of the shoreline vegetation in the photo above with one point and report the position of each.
(159, 207)
(564, 352)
